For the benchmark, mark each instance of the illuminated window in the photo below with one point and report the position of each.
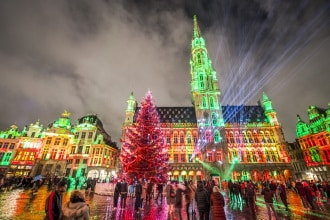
(214, 119)
(204, 104)
(176, 158)
(181, 138)
(183, 158)
(49, 140)
(57, 141)
(189, 138)
(90, 135)
(216, 137)
(65, 141)
(211, 103)
(73, 149)
(168, 139)
(80, 149)
(195, 139)
(12, 146)
(175, 138)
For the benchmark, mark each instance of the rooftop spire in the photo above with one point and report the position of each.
(197, 32)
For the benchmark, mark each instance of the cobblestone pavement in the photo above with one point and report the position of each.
(21, 204)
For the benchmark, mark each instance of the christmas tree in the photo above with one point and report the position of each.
(144, 153)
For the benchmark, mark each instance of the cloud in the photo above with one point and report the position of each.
(86, 57)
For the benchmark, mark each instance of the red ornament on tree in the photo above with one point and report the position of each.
(144, 152)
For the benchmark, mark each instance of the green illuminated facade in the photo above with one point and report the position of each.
(210, 140)
(314, 141)
(80, 151)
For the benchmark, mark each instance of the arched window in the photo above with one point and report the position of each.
(245, 138)
(267, 137)
(208, 137)
(255, 137)
(181, 138)
(211, 102)
(231, 137)
(204, 102)
(189, 138)
(237, 138)
(195, 138)
(249, 137)
(214, 119)
(216, 137)
(175, 138)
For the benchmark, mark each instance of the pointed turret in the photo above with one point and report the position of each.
(130, 111)
(270, 113)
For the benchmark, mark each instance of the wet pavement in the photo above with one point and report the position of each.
(22, 204)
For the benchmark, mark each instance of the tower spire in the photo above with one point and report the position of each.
(197, 32)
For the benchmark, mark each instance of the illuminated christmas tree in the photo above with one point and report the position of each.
(144, 153)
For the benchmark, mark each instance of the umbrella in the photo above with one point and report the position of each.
(36, 178)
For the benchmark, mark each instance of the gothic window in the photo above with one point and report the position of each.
(237, 137)
(267, 137)
(204, 104)
(214, 119)
(254, 157)
(216, 137)
(267, 156)
(249, 137)
(211, 103)
(245, 139)
(255, 137)
(231, 137)
(199, 59)
(195, 139)
(208, 137)
(181, 138)
(175, 138)
(189, 138)
(248, 155)
(183, 158)
(263, 139)
(168, 139)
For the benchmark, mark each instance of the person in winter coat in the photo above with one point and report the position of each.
(282, 191)
(178, 199)
(189, 195)
(53, 206)
(76, 208)
(116, 194)
(268, 197)
(170, 198)
(217, 204)
(203, 201)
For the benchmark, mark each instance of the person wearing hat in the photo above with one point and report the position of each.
(76, 208)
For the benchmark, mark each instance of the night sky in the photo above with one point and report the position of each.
(88, 56)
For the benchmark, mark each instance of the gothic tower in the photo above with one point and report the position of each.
(205, 91)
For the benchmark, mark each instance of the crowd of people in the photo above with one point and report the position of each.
(208, 198)
(206, 194)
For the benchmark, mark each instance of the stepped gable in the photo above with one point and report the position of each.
(243, 114)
